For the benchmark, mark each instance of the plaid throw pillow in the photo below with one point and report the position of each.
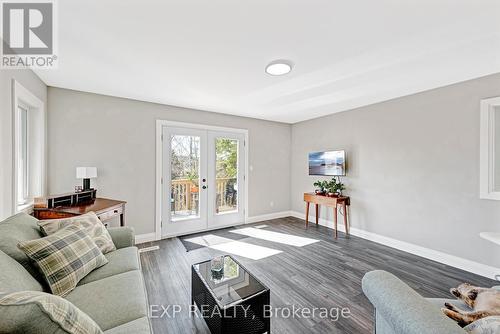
(64, 258)
(55, 310)
(93, 226)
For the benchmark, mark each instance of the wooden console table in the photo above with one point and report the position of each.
(104, 208)
(332, 202)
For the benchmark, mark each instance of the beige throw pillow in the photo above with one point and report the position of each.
(89, 221)
(65, 257)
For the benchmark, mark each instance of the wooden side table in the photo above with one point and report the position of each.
(104, 208)
(332, 202)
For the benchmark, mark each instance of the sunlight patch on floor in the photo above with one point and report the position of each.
(208, 240)
(231, 246)
(282, 238)
(244, 249)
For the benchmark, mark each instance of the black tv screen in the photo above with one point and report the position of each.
(331, 163)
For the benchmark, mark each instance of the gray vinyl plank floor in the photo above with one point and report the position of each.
(324, 274)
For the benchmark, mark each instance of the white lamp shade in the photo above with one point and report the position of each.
(86, 172)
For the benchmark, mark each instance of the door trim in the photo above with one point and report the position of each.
(160, 123)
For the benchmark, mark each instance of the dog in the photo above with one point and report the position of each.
(484, 302)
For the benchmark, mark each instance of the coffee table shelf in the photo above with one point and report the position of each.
(231, 300)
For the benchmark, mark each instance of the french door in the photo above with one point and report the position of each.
(203, 179)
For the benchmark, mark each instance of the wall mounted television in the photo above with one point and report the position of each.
(330, 163)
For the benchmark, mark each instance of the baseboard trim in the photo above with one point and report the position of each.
(269, 216)
(431, 254)
(147, 237)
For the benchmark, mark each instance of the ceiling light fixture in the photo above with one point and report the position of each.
(279, 67)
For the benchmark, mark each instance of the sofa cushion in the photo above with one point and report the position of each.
(39, 312)
(112, 301)
(64, 257)
(14, 277)
(119, 261)
(487, 325)
(122, 236)
(439, 303)
(20, 227)
(138, 326)
(89, 221)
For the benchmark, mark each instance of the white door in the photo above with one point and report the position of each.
(203, 180)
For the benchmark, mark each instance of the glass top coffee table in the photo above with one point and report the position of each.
(229, 297)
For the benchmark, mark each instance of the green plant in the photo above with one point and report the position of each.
(335, 186)
(321, 185)
(339, 187)
(332, 186)
(226, 152)
(192, 175)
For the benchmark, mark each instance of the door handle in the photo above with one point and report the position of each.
(204, 187)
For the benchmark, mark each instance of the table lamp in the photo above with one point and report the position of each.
(86, 173)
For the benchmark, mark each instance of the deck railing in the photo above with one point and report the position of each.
(185, 192)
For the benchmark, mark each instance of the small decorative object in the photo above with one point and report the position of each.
(67, 199)
(78, 189)
(217, 268)
(86, 173)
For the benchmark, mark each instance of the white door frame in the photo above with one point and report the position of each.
(160, 123)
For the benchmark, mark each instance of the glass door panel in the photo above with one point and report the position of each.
(184, 205)
(184, 176)
(226, 161)
(226, 175)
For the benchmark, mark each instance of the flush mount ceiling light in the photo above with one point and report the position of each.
(279, 67)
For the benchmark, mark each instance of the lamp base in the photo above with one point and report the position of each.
(86, 184)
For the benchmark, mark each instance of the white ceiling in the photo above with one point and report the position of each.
(211, 55)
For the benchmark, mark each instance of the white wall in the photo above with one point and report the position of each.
(30, 81)
(413, 168)
(118, 137)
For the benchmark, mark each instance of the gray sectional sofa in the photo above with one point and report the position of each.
(401, 310)
(114, 295)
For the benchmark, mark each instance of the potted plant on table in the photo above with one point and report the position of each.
(320, 187)
(335, 188)
(332, 188)
(339, 187)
